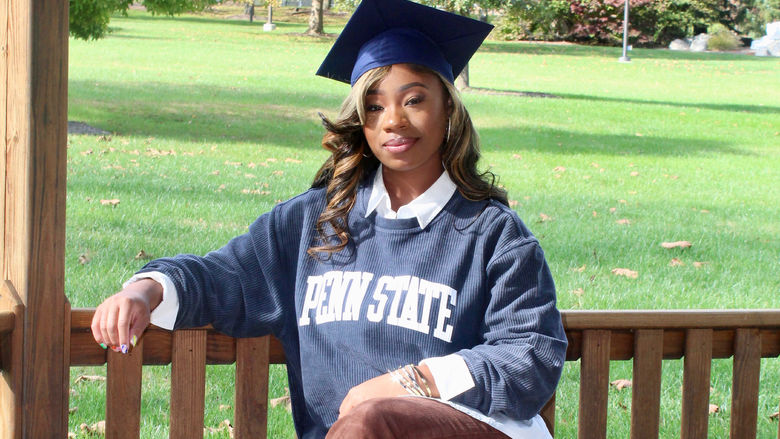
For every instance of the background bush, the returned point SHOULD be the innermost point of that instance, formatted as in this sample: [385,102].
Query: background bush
[651,22]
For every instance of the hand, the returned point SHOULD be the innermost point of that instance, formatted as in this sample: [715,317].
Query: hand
[123,317]
[382,386]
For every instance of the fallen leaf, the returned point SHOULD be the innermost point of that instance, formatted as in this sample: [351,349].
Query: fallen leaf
[625,272]
[98,428]
[215,172]
[559,169]
[613,209]
[634,173]
[223,407]
[698,264]
[624,221]
[586,177]
[577,292]
[223,426]
[250,176]
[283,400]
[292,160]
[638,134]
[111,202]
[622,201]
[72,410]
[84,259]
[704,211]
[251,165]
[278,173]
[89,378]
[72,435]
[675,262]
[517,156]
[544,218]
[774,416]
[594,164]
[142,255]
[714,409]
[229,163]
[87,152]
[513,203]
[271,160]
[676,244]
[579,269]
[595,214]
[621,384]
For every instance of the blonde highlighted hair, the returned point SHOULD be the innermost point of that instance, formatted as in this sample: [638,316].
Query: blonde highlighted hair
[351,160]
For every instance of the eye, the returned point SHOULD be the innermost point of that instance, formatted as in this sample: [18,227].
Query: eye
[373,107]
[414,100]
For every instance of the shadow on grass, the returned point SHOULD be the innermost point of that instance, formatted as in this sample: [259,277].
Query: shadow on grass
[761,109]
[547,140]
[289,119]
[528,48]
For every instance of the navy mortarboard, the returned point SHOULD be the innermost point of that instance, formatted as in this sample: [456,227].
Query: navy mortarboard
[385,32]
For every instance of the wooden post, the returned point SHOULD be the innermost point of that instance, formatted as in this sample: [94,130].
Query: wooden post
[33,85]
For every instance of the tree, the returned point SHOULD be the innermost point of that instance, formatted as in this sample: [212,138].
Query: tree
[315,19]
[89,18]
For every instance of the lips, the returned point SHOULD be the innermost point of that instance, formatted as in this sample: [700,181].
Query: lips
[399,144]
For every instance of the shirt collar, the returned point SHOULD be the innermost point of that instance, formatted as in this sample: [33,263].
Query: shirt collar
[425,207]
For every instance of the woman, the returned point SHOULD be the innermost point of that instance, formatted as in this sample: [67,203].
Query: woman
[401,272]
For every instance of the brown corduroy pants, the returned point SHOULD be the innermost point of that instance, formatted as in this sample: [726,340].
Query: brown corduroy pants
[409,418]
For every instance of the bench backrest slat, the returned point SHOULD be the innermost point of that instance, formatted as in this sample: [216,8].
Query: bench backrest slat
[646,383]
[594,383]
[188,384]
[251,405]
[696,383]
[744,392]
[123,394]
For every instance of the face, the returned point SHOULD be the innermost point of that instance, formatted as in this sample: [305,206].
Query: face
[406,120]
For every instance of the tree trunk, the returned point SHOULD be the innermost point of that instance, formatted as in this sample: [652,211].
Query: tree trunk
[315,19]
[462,81]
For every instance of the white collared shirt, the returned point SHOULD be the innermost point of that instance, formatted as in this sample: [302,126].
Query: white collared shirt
[425,207]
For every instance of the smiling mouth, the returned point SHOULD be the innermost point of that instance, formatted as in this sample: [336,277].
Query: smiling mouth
[399,144]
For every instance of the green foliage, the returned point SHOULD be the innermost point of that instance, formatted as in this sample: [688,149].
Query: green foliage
[535,20]
[758,15]
[655,22]
[722,38]
[89,18]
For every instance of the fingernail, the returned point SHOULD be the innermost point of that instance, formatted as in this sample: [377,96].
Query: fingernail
[115,349]
[124,348]
[134,340]
[103,345]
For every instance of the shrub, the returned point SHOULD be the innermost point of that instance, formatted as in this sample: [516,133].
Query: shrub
[721,38]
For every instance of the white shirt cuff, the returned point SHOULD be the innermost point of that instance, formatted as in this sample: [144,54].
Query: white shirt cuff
[451,375]
[164,316]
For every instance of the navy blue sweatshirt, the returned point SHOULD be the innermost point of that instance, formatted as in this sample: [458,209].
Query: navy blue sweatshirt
[473,282]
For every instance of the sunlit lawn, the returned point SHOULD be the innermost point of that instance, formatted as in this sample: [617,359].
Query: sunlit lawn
[213,121]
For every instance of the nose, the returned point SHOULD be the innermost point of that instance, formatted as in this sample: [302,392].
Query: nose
[395,118]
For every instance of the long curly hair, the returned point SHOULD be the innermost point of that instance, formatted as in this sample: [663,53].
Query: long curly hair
[351,160]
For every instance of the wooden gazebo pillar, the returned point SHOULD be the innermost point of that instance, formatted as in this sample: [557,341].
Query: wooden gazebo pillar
[33,87]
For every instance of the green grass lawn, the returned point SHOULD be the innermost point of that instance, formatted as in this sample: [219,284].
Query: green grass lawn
[214,121]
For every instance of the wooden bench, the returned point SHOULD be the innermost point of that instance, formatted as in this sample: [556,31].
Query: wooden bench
[595,338]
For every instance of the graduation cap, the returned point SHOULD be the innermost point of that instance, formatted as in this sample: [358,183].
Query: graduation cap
[385,32]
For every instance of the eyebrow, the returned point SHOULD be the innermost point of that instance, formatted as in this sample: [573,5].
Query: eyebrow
[402,88]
